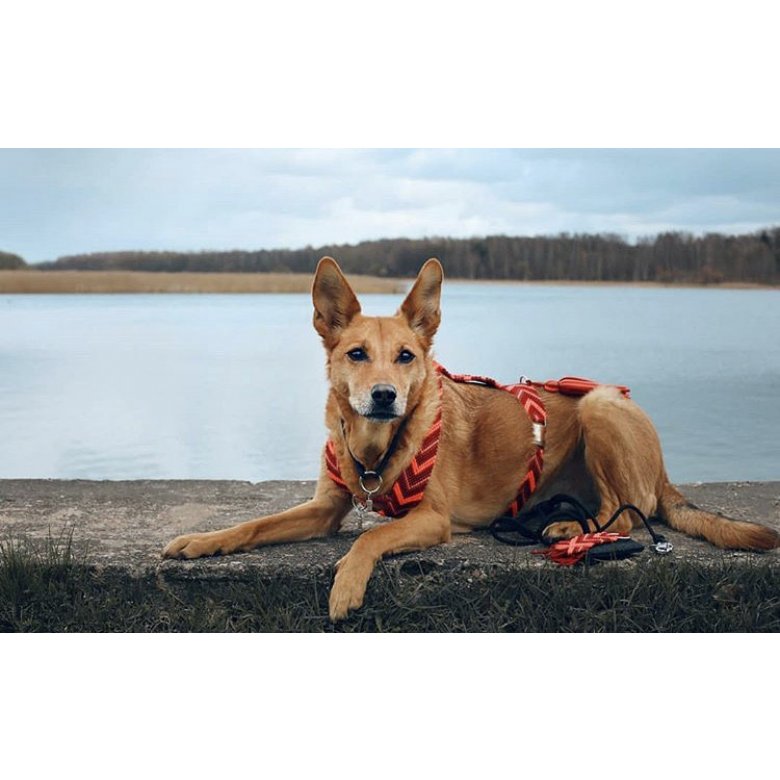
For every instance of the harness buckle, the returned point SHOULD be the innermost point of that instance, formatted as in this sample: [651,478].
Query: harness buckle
[538,429]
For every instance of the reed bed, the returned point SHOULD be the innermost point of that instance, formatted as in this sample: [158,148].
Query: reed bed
[31,281]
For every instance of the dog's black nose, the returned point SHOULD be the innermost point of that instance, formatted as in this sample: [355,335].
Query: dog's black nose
[383,395]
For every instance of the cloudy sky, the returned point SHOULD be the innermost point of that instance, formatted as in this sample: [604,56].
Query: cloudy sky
[58,202]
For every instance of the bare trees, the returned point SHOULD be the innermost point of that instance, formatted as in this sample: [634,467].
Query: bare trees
[667,257]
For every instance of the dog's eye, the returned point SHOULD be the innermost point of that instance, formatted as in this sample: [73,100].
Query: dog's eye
[357,355]
[405,356]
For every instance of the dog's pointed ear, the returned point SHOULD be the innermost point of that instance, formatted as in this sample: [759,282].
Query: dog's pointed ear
[421,307]
[335,304]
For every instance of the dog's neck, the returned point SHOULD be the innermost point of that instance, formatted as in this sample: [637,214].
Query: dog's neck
[368,440]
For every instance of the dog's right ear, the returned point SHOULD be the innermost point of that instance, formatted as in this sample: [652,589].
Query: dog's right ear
[335,304]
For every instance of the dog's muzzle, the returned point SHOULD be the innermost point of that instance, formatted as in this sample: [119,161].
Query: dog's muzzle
[381,404]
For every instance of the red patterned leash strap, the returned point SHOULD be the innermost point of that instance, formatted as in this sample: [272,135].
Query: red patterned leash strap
[570,551]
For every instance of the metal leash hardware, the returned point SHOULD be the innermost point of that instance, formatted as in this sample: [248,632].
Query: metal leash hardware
[663,547]
[361,507]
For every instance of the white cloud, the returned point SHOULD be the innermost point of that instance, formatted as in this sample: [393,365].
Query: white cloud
[55,202]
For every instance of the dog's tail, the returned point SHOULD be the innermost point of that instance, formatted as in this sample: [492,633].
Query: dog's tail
[725,532]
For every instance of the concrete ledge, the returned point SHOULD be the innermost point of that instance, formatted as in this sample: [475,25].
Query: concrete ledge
[124,526]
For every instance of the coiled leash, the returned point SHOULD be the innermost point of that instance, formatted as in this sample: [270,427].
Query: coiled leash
[528,527]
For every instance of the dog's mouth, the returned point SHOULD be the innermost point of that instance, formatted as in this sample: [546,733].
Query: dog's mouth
[378,416]
[378,412]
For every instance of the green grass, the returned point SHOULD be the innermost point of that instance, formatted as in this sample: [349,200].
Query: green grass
[47,588]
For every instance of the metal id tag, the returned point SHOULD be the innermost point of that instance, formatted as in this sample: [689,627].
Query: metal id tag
[361,509]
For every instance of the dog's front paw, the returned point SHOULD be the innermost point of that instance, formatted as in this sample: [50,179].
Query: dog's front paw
[349,586]
[192,546]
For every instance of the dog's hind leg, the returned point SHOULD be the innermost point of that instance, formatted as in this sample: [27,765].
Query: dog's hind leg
[623,456]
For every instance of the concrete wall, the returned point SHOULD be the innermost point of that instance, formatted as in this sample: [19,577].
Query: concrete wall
[126,525]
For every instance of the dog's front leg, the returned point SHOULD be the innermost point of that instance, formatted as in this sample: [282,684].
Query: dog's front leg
[421,528]
[319,517]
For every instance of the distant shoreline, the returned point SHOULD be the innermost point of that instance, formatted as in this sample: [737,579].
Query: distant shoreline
[587,283]
[122,282]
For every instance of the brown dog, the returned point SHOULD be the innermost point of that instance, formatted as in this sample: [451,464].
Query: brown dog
[385,394]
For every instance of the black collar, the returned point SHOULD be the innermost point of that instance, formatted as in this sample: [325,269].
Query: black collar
[377,471]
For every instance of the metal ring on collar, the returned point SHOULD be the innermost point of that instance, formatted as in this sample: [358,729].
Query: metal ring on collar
[378,487]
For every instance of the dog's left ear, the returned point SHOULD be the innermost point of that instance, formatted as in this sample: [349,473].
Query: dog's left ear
[421,307]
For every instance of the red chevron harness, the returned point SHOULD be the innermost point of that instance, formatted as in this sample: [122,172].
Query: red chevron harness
[408,490]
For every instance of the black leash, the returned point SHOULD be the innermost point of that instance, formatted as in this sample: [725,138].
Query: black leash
[660,543]
[527,528]
[530,523]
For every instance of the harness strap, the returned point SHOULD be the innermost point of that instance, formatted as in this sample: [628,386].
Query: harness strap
[575,385]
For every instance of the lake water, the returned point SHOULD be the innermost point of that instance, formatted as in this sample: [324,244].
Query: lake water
[233,387]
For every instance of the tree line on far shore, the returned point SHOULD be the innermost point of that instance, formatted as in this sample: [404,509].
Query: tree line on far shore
[11,262]
[668,257]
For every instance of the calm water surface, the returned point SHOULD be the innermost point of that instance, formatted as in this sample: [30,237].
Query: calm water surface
[233,387]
